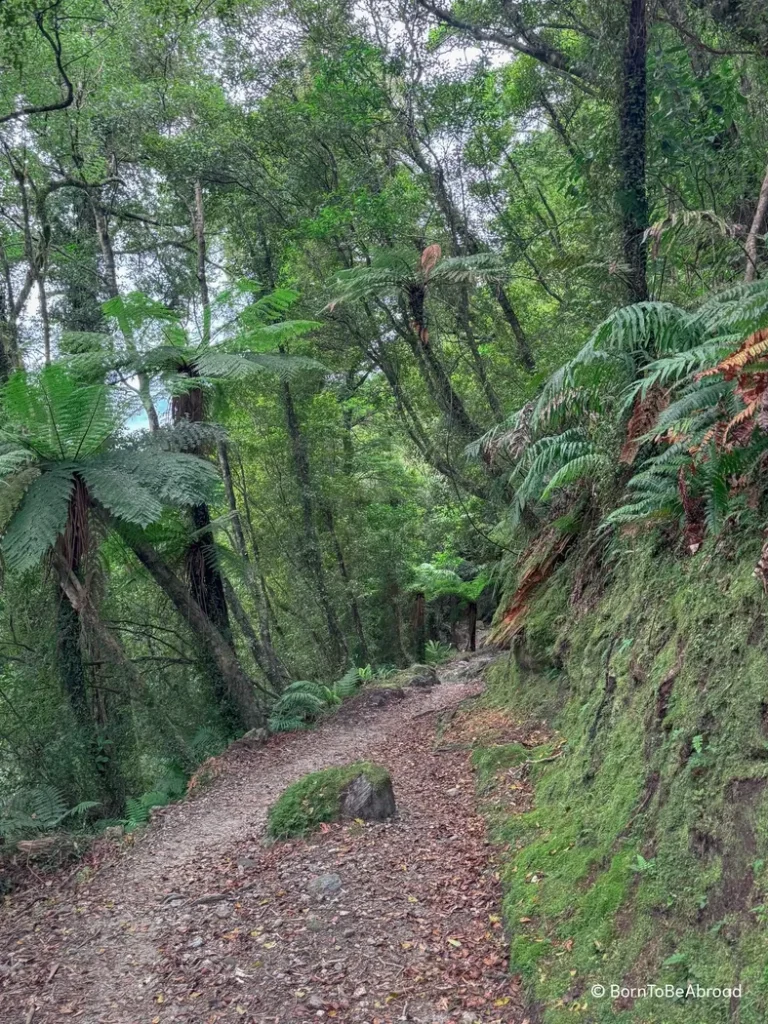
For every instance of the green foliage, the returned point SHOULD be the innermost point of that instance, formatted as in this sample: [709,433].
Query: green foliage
[437,652]
[316,799]
[35,811]
[139,810]
[301,703]
[64,431]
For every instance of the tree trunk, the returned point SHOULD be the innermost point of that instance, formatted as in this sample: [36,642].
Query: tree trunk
[465,241]
[472,622]
[113,291]
[235,692]
[270,663]
[310,548]
[465,319]
[198,226]
[354,608]
[632,151]
[205,580]
[420,627]
[754,231]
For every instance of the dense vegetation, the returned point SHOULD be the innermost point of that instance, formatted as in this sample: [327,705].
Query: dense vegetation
[327,328]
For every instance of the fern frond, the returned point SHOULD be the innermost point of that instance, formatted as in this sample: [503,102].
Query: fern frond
[40,518]
[580,468]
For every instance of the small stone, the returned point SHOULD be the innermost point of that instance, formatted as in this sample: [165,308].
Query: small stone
[223,911]
[424,677]
[348,933]
[196,943]
[325,885]
[360,992]
[246,862]
[315,1002]
[453,791]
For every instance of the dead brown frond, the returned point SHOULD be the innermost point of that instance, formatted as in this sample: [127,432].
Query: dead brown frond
[542,558]
[644,415]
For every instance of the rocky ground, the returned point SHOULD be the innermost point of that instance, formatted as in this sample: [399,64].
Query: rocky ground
[202,921]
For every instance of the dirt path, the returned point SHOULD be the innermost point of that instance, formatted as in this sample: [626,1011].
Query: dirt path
[201,922]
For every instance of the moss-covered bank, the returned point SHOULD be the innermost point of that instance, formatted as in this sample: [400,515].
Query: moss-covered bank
[645,858]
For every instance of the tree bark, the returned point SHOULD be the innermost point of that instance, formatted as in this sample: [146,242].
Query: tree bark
[420,628]
[198,226]
[472,622]
[113,291]
[754,231]
[465,319]
[354,608]
[235,692]
[632,150]
[311,551]
[270,663]
[464,239]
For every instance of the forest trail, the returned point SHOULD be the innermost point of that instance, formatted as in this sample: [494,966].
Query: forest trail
[202,922]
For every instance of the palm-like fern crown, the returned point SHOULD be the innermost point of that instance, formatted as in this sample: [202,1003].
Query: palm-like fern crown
[693,383]
[57,431]
[246,342]
[396,271]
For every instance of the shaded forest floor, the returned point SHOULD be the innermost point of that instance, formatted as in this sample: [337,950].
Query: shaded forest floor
[203,922]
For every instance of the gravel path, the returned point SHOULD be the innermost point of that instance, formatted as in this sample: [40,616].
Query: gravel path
[203,922]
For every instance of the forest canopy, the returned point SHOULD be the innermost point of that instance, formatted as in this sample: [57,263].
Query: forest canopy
[327,328]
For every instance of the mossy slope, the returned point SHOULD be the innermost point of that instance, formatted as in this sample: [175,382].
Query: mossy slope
[645,857]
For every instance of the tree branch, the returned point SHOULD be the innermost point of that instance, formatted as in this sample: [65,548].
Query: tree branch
[54,41]
[522,41]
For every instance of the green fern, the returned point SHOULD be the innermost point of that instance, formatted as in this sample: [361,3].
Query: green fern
[34,811]
[58,432]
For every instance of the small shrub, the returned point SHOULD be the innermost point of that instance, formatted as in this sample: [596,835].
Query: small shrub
[316,798]
[303,702]
[34,811]
[437,652]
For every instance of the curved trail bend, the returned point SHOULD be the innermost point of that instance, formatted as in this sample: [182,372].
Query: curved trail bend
[201,922]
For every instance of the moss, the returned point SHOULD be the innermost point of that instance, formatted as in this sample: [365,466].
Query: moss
[316,798]
[488,761]
[645,855]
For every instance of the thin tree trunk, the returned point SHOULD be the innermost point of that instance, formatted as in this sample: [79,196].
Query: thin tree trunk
[258,653]
[465,241]
[523,345]
[46,320]
[311,552]
[420,628]
[472,622]
[465,318]
[354,608]
[754,231]
[632,151]
[198,225]
[236,692]
[271,664]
